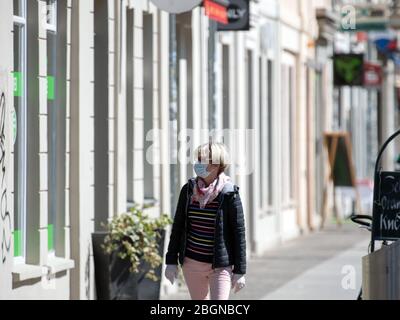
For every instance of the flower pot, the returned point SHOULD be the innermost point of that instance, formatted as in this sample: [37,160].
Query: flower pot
[113,279]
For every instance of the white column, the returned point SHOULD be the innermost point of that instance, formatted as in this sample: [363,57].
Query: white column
[81,210]
[387,114]
[120,196]
[197,75]
[164,111]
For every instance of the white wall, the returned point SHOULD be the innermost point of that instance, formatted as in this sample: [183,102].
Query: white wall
[6,88]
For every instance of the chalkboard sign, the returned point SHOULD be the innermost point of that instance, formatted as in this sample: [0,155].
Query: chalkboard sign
[341,173]
[386,217]
[340,159]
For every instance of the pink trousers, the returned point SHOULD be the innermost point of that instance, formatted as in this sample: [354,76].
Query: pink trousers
[200,277]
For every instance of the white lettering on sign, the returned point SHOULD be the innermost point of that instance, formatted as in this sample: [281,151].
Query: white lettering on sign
[388,224]
[390,204]
[236,13]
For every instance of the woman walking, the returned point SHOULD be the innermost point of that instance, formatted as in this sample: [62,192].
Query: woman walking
[208,232]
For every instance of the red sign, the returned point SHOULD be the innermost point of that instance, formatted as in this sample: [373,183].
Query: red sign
[362,36]
[372,74]
[216,11]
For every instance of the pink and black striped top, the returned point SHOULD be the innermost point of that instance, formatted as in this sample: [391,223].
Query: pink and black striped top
[201,227]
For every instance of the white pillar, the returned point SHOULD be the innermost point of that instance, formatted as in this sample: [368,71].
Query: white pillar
[120,192]
[81,210]
[388,124]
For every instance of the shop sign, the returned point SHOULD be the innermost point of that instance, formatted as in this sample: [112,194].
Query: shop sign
[372,75]
[216,11]
[348,69]
[238,12]
[386,217]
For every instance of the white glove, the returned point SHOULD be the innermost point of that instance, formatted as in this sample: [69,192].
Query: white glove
[238,282]
[171,272]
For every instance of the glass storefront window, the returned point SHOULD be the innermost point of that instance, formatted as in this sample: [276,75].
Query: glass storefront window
[20,146]
[52,106]
[56,124]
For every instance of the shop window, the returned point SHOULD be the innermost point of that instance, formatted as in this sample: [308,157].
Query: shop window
[270,131]
[266,131]
[148,87]
[20,145]
[287,131]
[56,126]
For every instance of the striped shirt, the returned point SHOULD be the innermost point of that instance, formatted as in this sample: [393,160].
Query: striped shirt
[201,226]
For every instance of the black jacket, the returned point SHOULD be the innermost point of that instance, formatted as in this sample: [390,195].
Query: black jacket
[229,241]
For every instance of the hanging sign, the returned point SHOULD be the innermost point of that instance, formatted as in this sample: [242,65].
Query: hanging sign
[238,12]
[176,6]
[216,11]
[372,75]
[348,69]
[386,45]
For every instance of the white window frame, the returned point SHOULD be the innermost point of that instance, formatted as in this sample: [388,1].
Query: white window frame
[268,143]
[51,15]
[263,133]
[288,112]
[51,12]
[20,21]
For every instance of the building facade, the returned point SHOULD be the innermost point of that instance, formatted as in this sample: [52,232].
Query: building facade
[98,97]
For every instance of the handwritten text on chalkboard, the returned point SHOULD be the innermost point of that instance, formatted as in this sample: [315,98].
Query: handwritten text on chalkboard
[386,220]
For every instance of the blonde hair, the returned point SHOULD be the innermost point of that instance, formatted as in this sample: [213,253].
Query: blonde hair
[213,153]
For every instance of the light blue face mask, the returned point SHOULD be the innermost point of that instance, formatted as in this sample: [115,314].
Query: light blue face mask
[201,169]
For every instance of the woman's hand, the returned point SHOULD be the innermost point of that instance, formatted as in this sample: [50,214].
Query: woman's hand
[238,282]
[171,272]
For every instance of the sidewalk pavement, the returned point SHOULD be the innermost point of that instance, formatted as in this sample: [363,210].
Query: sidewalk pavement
[322,265]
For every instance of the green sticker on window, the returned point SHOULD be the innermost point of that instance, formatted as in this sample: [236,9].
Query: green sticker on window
[50,237]
[50,88]
[17,84]
[17,243]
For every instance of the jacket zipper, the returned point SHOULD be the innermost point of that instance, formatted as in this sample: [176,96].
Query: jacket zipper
[186,209]
[215,228]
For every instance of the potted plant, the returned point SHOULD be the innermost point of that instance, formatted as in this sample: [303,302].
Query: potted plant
[129,256]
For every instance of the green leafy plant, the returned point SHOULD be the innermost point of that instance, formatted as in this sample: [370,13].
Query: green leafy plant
[134,236]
